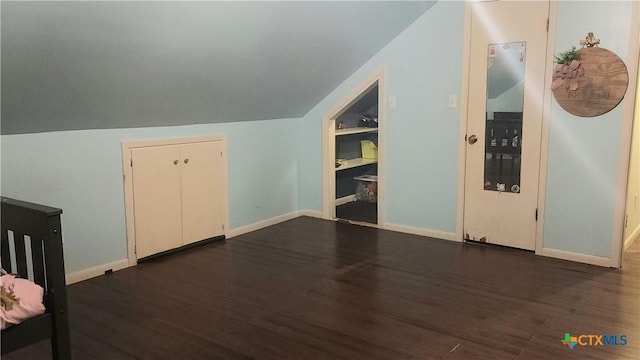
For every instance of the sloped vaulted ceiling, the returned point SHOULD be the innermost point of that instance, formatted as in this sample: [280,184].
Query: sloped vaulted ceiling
[88,65]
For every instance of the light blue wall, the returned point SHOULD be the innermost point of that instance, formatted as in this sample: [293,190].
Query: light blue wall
[81,172]
[424,66]
[583,152]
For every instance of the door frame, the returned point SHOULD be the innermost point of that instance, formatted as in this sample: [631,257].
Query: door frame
[127,179]
[635,125]
[626,133]
[464,112]
[328,144]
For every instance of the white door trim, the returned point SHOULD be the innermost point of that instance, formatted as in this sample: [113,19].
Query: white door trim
[127,179]
[626,132]
[464,109]
[546,116]
[328,143]
[464,112]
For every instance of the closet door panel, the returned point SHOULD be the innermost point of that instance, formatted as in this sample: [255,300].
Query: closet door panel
[202,191]
[157,199]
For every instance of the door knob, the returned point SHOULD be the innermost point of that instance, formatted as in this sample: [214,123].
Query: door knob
[186,161]
[473,139]
[175,162]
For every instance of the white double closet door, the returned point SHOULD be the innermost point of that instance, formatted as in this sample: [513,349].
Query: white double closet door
[178,193]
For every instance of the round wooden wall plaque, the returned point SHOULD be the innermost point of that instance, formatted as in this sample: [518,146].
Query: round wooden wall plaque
[596,88]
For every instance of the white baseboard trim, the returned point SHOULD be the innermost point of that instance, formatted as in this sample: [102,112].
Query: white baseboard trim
[262,224]
[345,200]
[311,213]
[635,235]
[99,270]
[96,271]
[421,231]
[577,257]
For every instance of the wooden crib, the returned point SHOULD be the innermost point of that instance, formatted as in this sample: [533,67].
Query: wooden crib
[32,248]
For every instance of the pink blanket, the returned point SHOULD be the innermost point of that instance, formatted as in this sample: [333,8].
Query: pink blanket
[21,299]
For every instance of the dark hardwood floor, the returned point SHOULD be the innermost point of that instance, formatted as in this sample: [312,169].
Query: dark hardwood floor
[315,289]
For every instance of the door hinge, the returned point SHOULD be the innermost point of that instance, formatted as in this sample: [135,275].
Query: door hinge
[536,214]
[626,220]
[222,227]
[131,162]
[547,24]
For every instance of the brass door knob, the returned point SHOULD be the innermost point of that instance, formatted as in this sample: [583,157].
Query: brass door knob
[473,139]
[175,162]
[186,161]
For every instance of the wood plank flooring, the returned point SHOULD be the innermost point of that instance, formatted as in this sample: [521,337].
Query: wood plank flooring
[315,289]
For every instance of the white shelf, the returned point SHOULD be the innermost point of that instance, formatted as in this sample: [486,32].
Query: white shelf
[345,200]
[351,163]
[356,130]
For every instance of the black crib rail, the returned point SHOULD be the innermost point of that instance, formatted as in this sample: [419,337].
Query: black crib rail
[31,246]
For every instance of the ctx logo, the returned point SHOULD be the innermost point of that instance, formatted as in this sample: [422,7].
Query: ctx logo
[594,340]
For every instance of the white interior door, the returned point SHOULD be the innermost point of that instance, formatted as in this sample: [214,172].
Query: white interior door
[157,199]
[504,124]
[202,191]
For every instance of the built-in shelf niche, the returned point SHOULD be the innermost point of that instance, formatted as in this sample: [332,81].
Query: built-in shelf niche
[349,161]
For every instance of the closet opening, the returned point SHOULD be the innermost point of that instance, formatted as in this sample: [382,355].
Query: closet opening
[352,177]
[356,165]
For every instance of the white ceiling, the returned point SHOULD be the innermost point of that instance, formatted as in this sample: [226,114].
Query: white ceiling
[85,65]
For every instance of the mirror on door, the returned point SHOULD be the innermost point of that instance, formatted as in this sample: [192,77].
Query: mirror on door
[503,131]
